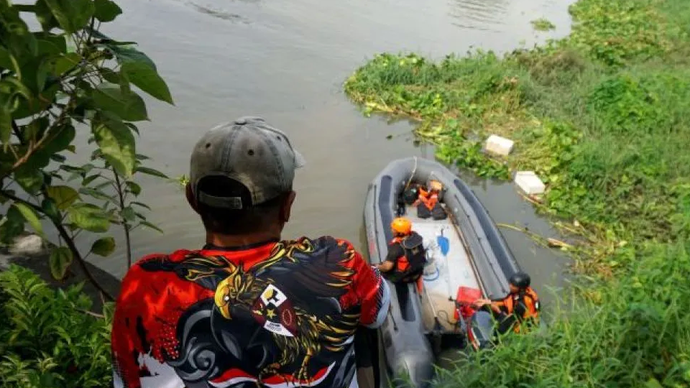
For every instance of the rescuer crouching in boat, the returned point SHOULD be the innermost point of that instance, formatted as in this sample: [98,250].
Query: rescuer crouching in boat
[520,305]
[428,201]
[406,254]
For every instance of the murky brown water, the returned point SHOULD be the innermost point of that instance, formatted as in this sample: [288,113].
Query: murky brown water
[286,61]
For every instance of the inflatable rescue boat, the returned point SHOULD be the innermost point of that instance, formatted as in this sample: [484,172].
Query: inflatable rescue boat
[467,259]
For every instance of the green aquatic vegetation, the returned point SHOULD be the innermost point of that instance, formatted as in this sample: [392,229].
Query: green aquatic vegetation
[608,138]
[543,24]
[452,100]
[616,32]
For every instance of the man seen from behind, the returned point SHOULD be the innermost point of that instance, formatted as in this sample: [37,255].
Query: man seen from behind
[249,308]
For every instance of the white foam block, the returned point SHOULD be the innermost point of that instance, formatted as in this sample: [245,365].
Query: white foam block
[529,182]
[499,145]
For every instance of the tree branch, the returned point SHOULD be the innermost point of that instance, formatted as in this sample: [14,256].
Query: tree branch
[91,313]
[65,236]
[125,224]
[27,203]
[70,244]
[15,129]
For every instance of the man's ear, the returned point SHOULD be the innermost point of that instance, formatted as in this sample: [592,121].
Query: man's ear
[287,206]
[190,197]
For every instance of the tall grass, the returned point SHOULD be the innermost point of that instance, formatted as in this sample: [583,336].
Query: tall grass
[603,116]
[633,333]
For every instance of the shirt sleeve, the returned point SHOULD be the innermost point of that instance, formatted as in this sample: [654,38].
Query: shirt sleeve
[394,252]
[372,292]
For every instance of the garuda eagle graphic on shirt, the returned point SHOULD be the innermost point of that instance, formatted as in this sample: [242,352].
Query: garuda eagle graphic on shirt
[280,315]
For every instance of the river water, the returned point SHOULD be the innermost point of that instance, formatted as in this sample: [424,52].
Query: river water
[286,61]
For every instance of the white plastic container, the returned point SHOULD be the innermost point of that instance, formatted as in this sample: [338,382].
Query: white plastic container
[529,182]
[499,145]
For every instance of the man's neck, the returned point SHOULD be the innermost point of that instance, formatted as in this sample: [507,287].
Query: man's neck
[231,241]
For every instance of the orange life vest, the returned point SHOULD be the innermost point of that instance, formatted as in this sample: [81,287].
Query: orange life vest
[401,264]
[429,198]
[413,258]
[529,298]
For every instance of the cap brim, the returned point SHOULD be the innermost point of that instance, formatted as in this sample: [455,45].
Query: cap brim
[299,160]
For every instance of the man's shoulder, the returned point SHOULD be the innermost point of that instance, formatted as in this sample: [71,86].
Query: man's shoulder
[145,262]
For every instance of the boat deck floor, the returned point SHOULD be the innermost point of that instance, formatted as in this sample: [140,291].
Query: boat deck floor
[445,273]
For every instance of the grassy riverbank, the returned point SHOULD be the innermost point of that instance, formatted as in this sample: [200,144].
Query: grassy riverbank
[603,116]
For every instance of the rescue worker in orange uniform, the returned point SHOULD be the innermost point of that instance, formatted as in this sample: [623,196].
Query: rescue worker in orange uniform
[427,202]
[520,305]
[406,253]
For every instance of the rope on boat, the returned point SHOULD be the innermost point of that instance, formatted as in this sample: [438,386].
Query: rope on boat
[414,170]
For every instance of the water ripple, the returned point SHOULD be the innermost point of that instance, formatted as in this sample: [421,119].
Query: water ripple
[224,15]
[479,14]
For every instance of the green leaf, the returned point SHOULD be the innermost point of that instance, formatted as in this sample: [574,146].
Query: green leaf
[95,193]
[36,105]
[42,71]
[7,61]
[13,87]
[89,217]
[106,10]
[129,214]
[89,179]
[30,216]
[51,44]
[150,225]
[73,15]
[133,188]
[117,144]
[147,79]
[21,43]
[58,158]
[12,226]
[50,208]
[68,168]
[129,106]
[110,75]
[126,54]
[5,123]
[45,16]
[653,383]
[103,246]
[60,260]
[145,206]
[150,171]
[30,179]
[60,139]
[64,196]
[65,63]
[35,129]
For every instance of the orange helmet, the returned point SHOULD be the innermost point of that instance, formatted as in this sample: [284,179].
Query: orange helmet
[401,225]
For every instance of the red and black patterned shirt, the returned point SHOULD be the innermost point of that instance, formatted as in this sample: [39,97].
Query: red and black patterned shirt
[281,314]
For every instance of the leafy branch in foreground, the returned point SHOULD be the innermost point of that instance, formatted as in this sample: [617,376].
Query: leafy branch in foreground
[64,78]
